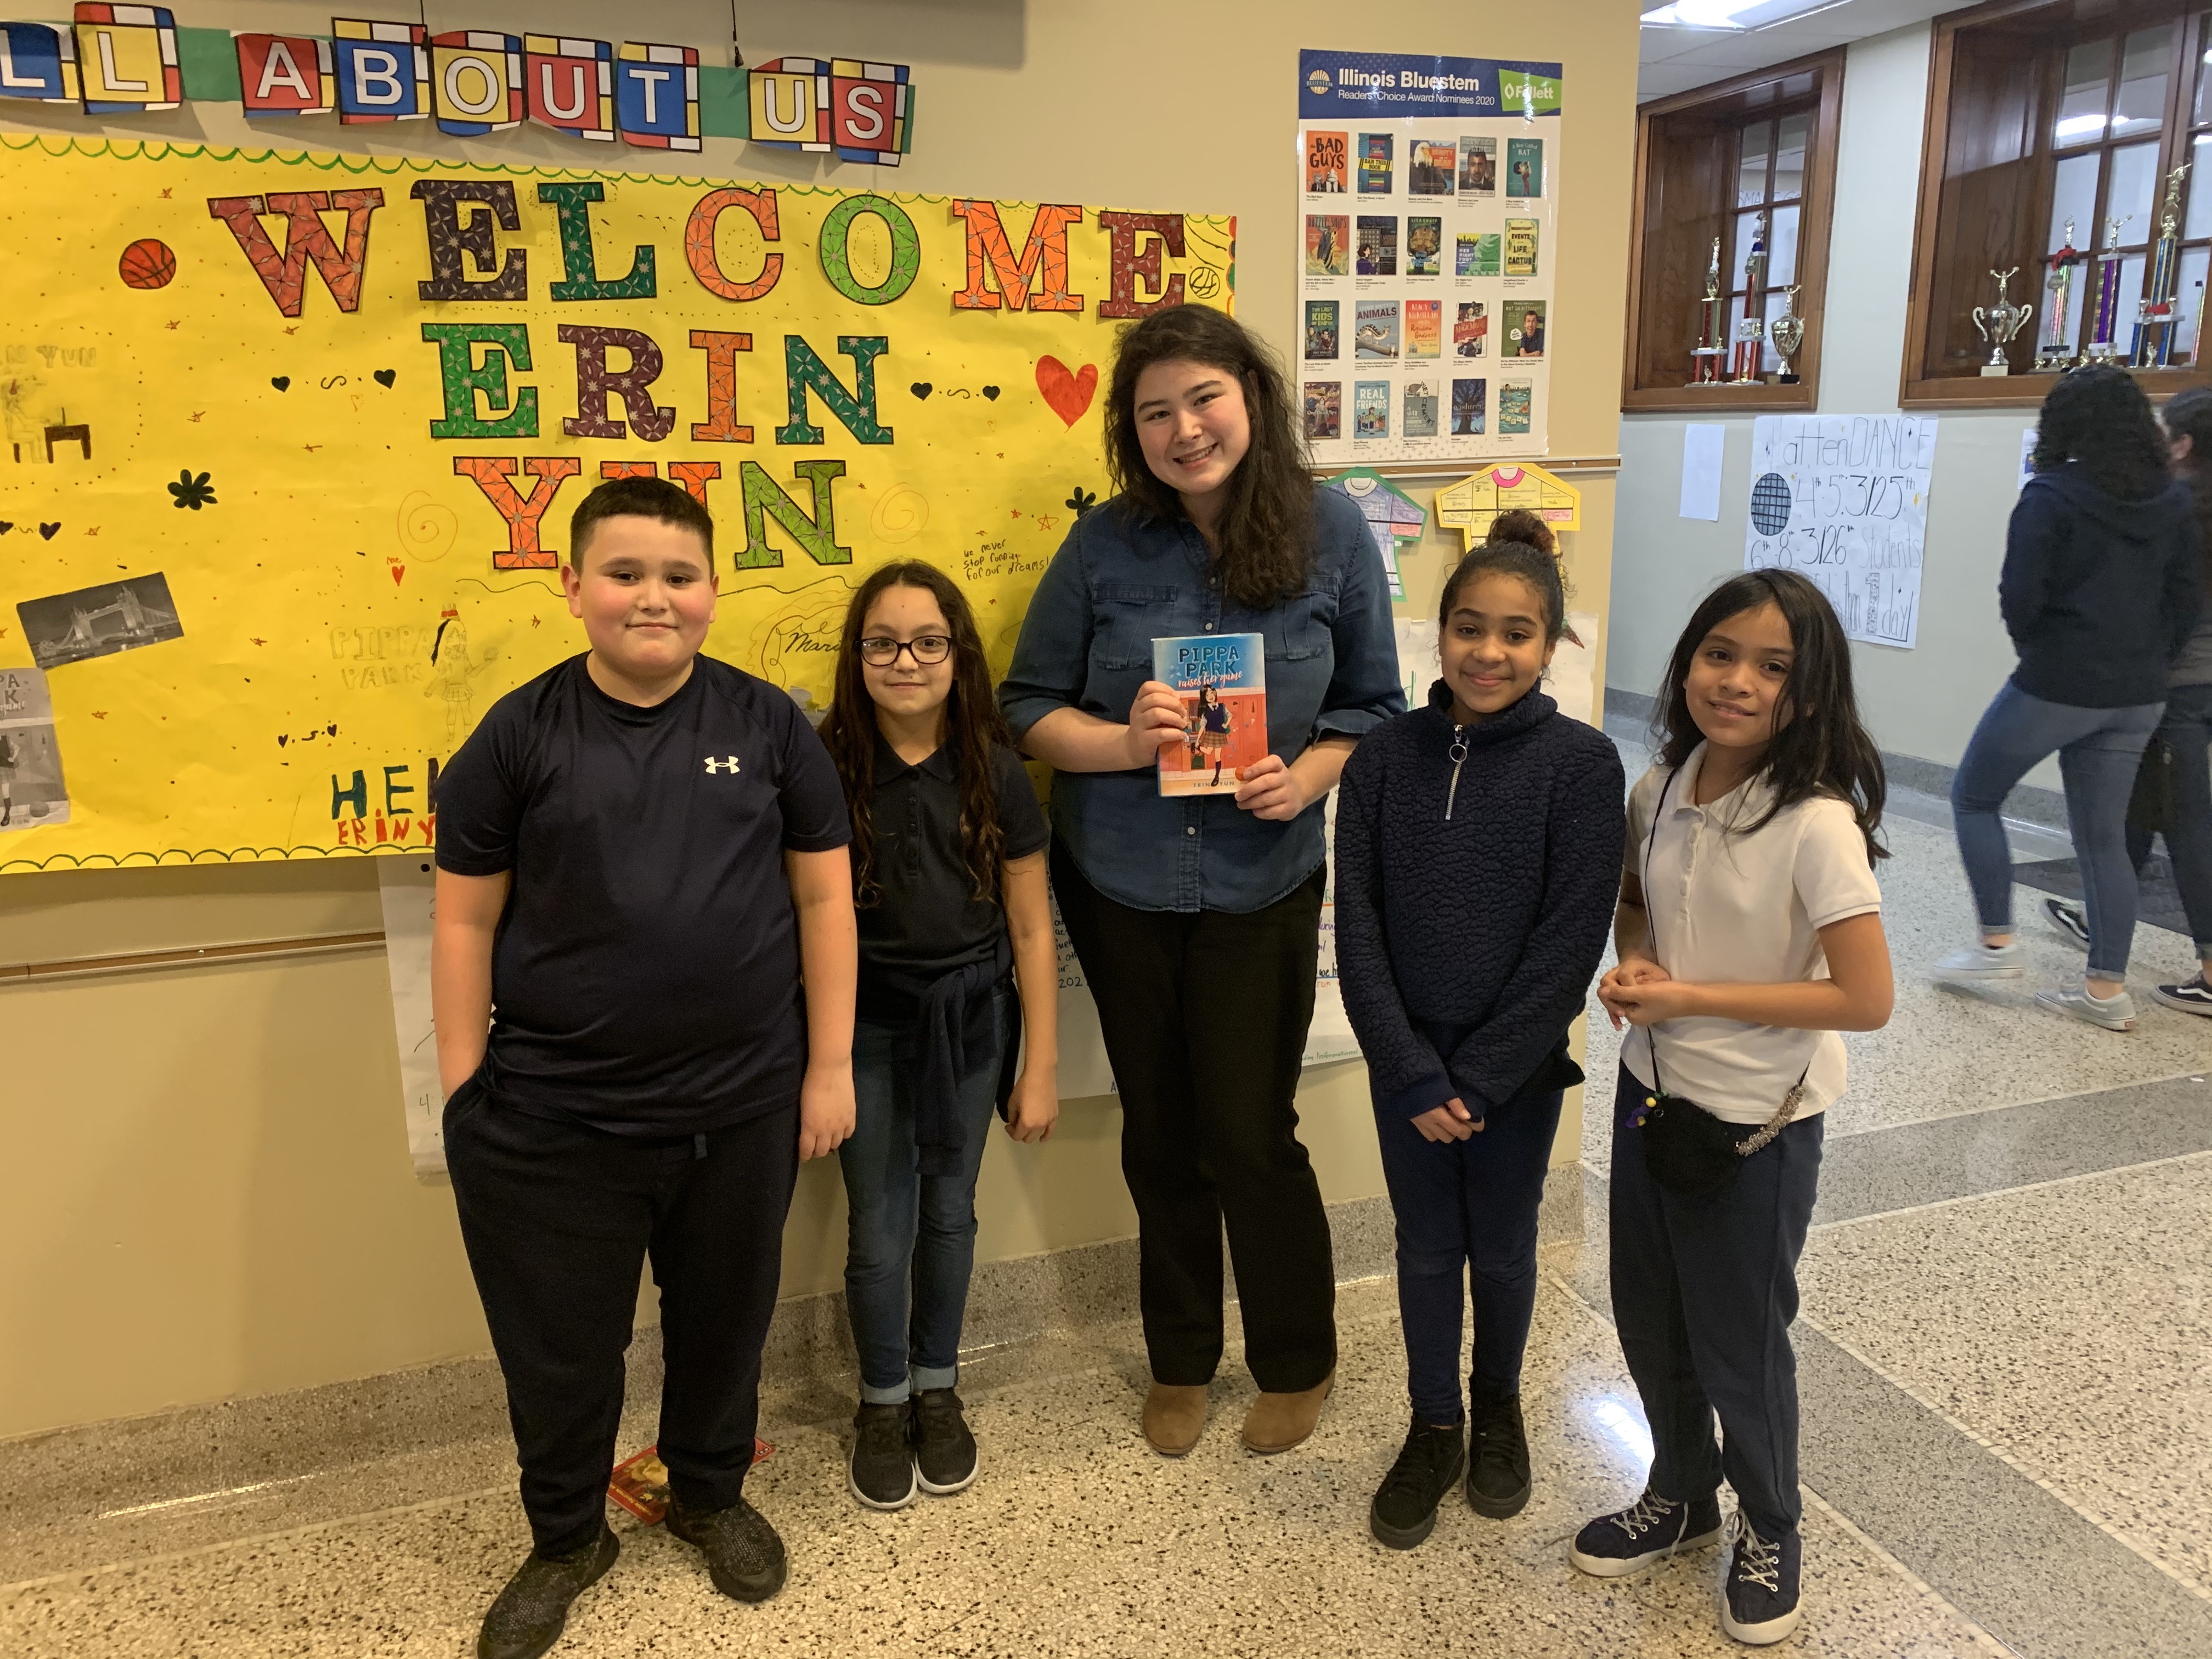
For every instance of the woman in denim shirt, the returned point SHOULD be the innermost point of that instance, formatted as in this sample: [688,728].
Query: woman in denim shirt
[1197,917]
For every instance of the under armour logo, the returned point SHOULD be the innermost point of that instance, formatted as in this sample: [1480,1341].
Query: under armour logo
[728,764]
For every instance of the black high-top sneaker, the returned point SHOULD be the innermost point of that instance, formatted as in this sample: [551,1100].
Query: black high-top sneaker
[1759,1603]
[1404,1511]
[1498,1456]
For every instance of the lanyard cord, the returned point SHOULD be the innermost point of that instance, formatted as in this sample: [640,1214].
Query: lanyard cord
[1652,917]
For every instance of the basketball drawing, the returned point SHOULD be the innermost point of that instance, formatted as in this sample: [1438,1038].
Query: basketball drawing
[148,264]
[1770,504]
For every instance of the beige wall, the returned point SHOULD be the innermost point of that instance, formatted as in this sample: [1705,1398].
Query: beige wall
[208,1187]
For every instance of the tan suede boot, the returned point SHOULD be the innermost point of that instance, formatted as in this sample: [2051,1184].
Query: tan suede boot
[1174,1416]
[1278,1422]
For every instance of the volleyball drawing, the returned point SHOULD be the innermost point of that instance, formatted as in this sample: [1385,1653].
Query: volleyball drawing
[1770,504]
[147,263]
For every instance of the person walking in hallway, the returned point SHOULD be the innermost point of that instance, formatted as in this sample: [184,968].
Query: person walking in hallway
[2102,585]
[1197,917]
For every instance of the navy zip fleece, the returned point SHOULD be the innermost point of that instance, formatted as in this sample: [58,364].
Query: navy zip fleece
[2100,595]
[1473,898]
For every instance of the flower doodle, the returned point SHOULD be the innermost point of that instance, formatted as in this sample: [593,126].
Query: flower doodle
[1081,502]
[195,493]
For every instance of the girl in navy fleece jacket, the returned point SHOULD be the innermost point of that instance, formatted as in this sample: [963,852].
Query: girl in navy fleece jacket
[1478,855]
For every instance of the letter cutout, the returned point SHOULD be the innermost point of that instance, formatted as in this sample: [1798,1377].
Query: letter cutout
[721,425]
[522,513]
[764,500]
[856,410]
[450,239]
[596,383]
[1122,230]
[306,238]
[699,241]
[990,251]
[580,263]
[462,378]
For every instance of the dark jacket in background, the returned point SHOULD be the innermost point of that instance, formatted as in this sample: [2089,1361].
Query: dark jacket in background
[2099,594]
[1482,929]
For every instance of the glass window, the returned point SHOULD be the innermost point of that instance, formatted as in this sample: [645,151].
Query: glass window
[2197,220]
[2074,201]
[1748,228]
[2132,193]
[2189,297]
[1782,247]
[1789,157]
[2081,105]
[2201,114]
[2140,106]
[1751,170]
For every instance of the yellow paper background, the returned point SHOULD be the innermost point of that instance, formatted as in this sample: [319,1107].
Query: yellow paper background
[311,589]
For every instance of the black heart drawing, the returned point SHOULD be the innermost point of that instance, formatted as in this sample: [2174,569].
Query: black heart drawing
[992,392]
[281,739]
[921,388]
[282,382]
[384,377]
[48,531]
[332,730]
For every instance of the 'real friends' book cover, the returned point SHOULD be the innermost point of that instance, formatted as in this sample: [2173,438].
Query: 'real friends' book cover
[1221,679]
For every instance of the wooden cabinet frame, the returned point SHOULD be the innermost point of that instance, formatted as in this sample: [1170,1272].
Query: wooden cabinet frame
[1674,159]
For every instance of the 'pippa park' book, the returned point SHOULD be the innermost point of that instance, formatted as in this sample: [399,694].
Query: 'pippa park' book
[1223,681]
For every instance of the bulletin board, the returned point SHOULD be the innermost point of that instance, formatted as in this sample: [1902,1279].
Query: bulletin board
[292,439]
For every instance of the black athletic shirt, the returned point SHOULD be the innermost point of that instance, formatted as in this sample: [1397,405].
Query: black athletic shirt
[645,978]
[929,921]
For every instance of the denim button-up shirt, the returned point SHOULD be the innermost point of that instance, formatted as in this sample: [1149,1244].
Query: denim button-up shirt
[1118,583]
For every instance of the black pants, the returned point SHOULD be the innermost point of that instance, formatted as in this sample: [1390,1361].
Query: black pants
[558,1220]
[1704,1292]
[1204,1018]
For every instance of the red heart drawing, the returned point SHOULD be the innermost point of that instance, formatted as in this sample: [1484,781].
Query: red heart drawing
[399,574]
[1068,395]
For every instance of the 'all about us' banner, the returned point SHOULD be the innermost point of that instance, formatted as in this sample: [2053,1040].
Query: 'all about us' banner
[291,442]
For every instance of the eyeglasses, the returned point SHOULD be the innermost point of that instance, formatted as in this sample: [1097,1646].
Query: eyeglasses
[928,651]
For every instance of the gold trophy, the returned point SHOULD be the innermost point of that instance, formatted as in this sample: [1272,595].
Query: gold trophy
[1999,322]
[1788,333]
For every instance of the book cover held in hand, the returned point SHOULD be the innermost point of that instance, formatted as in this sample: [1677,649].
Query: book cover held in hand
[1223,681]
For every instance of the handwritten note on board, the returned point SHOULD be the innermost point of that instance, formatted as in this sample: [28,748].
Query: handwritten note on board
[1843,498]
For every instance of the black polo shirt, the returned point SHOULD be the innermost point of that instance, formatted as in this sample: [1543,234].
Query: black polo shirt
[929,921]
[645,978]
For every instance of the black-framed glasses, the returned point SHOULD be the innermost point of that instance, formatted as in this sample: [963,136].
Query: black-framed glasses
[928,650]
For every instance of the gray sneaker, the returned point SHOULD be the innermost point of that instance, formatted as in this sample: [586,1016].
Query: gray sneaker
[1979,964]
[2116,1013]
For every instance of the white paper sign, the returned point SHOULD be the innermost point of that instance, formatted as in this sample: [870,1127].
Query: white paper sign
[1703,444]
[1843,498]
[406,888]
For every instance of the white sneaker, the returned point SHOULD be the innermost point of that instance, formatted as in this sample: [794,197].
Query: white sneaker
[2114,1013]
[1978,964]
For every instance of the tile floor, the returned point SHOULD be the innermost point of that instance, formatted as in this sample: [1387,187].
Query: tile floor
[2005,1362]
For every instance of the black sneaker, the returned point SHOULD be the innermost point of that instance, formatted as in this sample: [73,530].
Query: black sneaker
[881,1473]
[2068,918]
[744,1558]
[532,1612]
[944,1450]
[2193,997]
[1404,1511]
[1498,1456]
[1759,1603]
[1650,1529]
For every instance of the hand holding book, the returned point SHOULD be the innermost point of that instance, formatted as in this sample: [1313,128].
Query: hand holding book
[1156,718]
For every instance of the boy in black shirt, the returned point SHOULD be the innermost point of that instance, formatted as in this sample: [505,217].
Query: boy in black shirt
[641,852]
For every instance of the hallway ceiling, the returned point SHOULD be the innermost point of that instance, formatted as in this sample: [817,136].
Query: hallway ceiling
[1674,60]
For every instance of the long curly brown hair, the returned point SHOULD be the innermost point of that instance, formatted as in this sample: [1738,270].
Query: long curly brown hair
[1266,532]
[972,724]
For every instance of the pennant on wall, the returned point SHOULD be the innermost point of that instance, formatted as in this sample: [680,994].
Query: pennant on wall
[570,85]
[868,110]
[790,99]
[383,70]
[657,95]
[286,74]
[38,61]
[475,81]
[127,59]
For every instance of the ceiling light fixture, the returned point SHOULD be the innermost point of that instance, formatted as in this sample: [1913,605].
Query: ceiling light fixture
[1736,16]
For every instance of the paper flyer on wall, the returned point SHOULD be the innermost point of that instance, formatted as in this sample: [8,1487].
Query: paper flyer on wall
[406,889]
[1429,192]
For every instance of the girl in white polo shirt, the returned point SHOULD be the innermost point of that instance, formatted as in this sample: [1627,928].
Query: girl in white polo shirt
[1749,931]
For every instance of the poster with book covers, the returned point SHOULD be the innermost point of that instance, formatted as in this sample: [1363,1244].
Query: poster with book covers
[1440,274]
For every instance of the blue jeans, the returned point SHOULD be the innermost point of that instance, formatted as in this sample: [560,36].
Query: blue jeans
[1468,1207]
[2187,728]
[911,1237]
[2099,750]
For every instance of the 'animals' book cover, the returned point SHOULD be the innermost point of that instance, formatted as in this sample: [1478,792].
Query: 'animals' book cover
[1223,681]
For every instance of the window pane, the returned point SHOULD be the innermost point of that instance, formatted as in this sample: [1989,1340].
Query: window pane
[2203,113]
[1748,227]
[2141,107]
[2197,189]
[2081,106]
[1782,248]
[2133,190]
[1751,170]
[2073,201]
[2189,297]
[1790,156]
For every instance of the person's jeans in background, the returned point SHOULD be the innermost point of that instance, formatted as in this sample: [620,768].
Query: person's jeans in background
[2099,750]
[911,1241]
[2187,728]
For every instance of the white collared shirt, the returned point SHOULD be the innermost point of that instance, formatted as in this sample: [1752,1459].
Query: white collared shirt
[1725,907]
